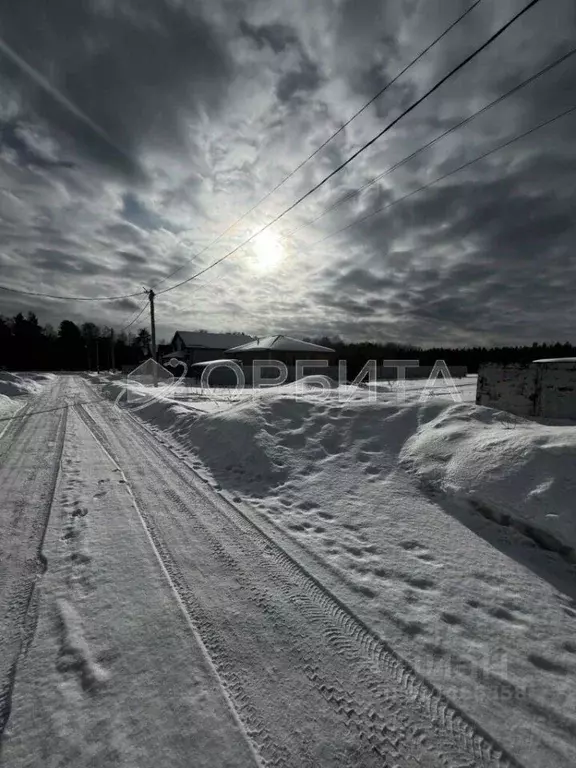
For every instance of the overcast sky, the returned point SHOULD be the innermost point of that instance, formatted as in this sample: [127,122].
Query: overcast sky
[132,133]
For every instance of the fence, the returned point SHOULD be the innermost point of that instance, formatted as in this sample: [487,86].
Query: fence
[543,388]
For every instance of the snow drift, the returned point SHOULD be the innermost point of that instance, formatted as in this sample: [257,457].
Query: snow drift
[513,466]
[16,384]
[376,496]
[13,389]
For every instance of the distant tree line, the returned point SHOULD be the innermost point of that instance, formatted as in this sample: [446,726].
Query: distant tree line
[25,345]
[356,354]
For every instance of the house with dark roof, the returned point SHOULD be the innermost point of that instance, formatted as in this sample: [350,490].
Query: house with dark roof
[198,346]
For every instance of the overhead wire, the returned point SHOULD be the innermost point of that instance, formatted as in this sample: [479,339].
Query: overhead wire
[363,148]
[457,126]
[318,149]
[444,176]
[65,102]
[394,122]
[68,298]
[135,318]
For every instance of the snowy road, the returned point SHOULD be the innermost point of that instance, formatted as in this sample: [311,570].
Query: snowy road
[167,628]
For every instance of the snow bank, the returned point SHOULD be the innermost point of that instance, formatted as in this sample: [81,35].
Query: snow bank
[511,466]
[343,478]
[12,388]
[16,384]
[254,444]
[8,407]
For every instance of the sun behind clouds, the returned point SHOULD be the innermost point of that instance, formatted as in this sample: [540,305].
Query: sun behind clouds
[268,251]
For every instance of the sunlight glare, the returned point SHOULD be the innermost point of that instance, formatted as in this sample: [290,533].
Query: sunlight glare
[268,250]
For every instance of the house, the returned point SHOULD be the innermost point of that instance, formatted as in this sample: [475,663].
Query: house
[286,350]
[283,348]
[162,350]
[198,346]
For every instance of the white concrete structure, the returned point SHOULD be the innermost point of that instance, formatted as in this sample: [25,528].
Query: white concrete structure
[544,388]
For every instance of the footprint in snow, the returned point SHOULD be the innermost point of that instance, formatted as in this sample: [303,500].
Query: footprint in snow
[450,618]
[307,505]
[355,551]
[420,582]
[411,545]
[504,614]
[546,664]
[419,551]
[412,628]
[362,589]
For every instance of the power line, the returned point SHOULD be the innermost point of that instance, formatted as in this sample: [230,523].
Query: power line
[145,305]
[368,144]
[304,162]
[136,317]
[456,127]
[69,298]
[444,176]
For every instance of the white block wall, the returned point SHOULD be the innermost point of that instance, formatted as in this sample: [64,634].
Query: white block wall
[556,390]
[545,390]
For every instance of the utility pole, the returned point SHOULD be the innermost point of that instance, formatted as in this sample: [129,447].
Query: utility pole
[112,354]
[97,357]
[151,296]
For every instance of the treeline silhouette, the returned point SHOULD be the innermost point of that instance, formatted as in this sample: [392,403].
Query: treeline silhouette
[25,345]
[356,354]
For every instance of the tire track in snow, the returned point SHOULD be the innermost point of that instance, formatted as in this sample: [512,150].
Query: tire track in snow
[274,753]
[348,633]
[437,707]
[169,569]
[23,600]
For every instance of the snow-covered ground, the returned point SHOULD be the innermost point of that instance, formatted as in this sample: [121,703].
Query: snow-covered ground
[293,577]
[14,387]
[391,498]
[506,465]
[16,384]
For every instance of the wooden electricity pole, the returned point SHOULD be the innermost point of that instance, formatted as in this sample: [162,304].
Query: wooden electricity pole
[151,296]
[112,351]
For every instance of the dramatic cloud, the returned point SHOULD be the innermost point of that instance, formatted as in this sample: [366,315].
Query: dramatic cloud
[134,133]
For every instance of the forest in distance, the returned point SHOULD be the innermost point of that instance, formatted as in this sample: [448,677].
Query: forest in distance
[26,345]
